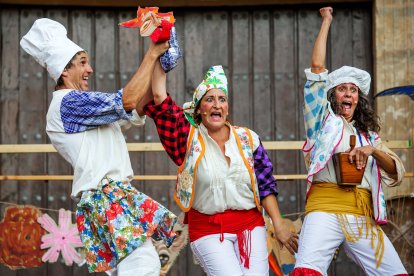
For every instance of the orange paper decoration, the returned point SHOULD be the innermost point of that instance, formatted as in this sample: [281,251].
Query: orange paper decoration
[144,14]
[20,236]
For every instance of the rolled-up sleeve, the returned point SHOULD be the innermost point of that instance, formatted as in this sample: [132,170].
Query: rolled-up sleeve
[172,127]
[315,104]
[263,168]
[82,110]
[386,178]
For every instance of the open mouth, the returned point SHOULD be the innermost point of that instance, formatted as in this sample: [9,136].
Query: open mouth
[346,105]
[215,115]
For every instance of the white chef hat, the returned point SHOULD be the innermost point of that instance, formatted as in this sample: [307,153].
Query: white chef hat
[348,74]
[48,44]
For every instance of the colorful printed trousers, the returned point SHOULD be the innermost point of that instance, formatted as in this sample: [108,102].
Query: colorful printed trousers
[116,219]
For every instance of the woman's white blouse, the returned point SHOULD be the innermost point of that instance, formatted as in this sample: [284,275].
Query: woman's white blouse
[219,186]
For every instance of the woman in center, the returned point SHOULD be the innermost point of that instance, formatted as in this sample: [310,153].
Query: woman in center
[224,178]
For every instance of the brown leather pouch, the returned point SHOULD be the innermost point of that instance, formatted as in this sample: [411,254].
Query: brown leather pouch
[346,172]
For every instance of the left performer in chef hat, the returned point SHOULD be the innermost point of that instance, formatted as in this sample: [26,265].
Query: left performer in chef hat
[116,222]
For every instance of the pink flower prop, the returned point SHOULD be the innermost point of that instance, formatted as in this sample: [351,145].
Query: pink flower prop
[63,238]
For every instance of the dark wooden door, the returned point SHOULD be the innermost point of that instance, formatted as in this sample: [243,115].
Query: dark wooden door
[264,51]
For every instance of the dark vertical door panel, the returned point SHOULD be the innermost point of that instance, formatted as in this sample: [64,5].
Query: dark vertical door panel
[31,123]
[262,96]
[215,40]
[193,52]
[9,107]
[240,92]
[32,110]
[340,40]
[361,42]
[105,40]
[285,105]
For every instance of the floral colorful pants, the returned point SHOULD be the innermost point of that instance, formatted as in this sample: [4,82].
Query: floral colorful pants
[116,219]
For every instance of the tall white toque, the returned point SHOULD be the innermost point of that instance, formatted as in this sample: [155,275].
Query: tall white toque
[48,44]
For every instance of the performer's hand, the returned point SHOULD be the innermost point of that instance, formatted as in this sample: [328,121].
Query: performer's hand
[157,49]
[360,156]
[326,13]
[286,238]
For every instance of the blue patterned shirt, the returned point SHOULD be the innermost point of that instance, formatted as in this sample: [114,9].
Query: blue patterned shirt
[81,111]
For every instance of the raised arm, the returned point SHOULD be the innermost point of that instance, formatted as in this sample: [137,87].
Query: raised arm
[172,126]
[157,91]
[139,84]
[319,49]
[159,80]
[144,100]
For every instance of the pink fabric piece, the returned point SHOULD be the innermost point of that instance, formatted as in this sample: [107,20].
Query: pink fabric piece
[61,238]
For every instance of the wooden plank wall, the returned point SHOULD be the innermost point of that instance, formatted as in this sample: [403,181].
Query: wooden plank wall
[394,66]
[263,50]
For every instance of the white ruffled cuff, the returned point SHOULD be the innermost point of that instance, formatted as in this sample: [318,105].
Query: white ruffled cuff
[316,77]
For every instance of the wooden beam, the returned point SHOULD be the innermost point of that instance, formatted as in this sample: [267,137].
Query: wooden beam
[279,177]
[132,147]
[136,177]
[170,4]
[283,145]
[27,148]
